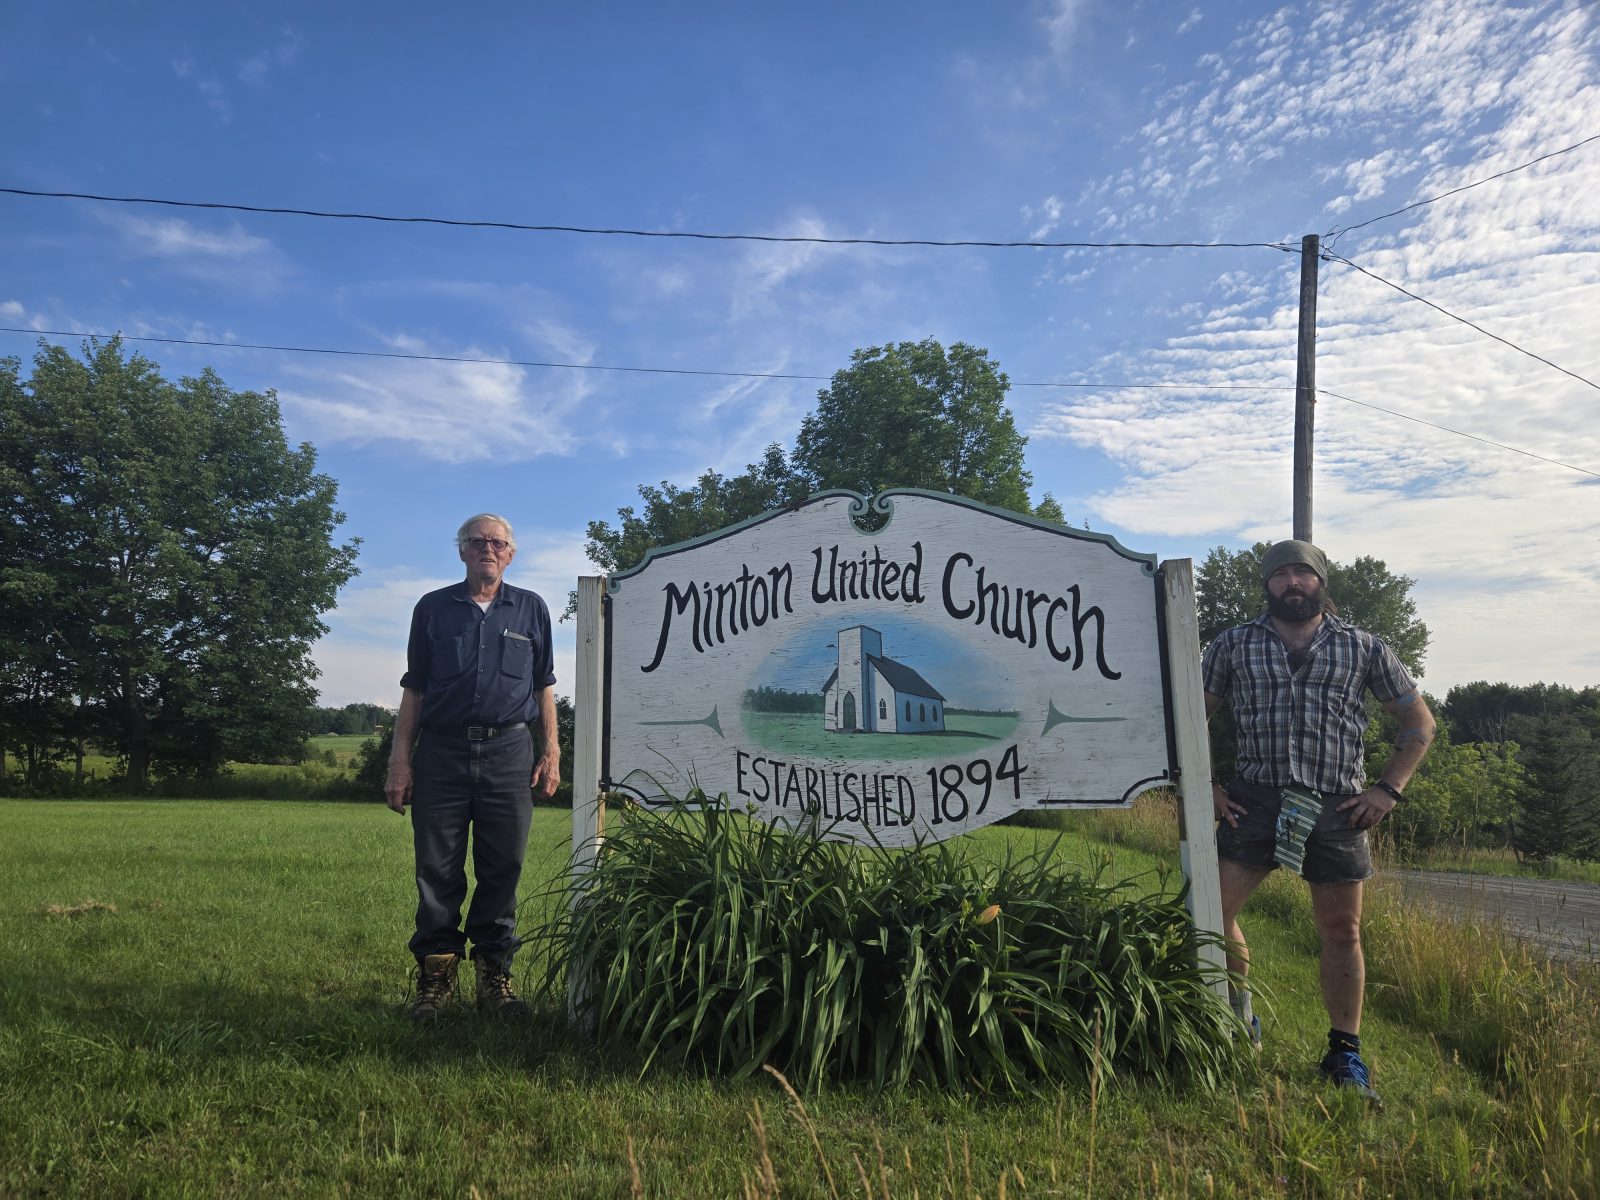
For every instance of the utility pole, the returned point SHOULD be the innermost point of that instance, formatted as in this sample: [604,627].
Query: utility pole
[1305,387]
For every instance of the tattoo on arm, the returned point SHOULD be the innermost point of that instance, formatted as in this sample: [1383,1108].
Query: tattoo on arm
[1411,736]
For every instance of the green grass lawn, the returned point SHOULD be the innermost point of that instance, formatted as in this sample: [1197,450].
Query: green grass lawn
[204,998]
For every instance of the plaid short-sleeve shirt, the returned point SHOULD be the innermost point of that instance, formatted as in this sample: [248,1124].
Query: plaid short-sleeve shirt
[1303,726]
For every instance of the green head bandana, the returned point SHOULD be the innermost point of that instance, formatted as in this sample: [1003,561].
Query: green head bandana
[1288,553]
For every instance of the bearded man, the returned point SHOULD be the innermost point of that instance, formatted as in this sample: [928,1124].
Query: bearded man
[1296,678]
[478,674]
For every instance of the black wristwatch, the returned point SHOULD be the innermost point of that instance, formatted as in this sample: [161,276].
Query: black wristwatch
[1399,796]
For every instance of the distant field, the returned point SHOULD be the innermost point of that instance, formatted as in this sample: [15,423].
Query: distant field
[345,745]
[802,733]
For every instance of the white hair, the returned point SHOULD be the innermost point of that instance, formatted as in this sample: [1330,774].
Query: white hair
[466,528]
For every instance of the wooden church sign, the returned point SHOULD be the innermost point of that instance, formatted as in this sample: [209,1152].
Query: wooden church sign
[915,681]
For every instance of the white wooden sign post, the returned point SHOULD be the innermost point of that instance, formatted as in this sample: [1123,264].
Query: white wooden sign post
[909,683]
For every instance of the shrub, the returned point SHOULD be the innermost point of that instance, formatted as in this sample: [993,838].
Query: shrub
[707,939]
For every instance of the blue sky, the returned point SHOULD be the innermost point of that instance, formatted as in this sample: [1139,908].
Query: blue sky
[1069,120]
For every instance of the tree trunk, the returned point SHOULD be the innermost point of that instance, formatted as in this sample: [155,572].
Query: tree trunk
[135,734]
[138,749]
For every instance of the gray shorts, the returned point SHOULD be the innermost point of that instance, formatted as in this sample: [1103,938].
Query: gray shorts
[1335,853]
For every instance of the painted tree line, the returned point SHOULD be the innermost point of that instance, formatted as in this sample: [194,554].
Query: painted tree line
[166,555]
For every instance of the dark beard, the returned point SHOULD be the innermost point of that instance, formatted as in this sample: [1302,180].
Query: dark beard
[1296,607]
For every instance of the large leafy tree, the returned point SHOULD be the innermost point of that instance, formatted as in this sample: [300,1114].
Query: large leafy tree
[908,415]
[672,514]
[167,556]
[917,415]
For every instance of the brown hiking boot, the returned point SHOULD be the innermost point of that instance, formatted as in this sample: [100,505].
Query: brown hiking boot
[436,986]
[495,997]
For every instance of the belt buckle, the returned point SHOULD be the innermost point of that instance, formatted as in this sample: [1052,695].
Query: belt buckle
[481,733]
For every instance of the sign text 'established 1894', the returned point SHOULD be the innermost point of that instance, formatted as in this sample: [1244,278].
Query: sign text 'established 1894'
[957,664]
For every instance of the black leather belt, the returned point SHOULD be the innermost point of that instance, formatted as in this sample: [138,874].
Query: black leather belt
[475,733]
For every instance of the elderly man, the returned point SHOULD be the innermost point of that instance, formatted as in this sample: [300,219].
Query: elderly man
[478,672]
[1296,676]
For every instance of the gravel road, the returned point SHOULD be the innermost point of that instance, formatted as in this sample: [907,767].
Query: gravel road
[1562,917]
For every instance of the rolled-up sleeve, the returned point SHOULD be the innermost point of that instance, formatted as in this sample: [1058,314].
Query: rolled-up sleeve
[1387,677]
[544,667]
[419,652]
[1216,671]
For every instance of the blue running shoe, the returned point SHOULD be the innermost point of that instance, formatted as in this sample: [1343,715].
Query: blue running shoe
[1255,1033]
[1346,1070]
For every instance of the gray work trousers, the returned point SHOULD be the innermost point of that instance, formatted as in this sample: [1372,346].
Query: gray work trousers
[482,787]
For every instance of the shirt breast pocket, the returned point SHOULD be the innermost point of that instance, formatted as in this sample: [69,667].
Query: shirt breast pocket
[445,662]
[516,654]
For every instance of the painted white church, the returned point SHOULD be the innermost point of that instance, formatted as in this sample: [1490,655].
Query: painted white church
[868,693]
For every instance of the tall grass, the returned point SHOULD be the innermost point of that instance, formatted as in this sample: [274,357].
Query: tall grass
[1527,1023]
[1149,825]
[707,939]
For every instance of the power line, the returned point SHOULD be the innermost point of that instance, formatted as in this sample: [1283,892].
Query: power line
[1106,385]
[1459,433]
[569,366]
[1470,325]
[649,233]
[1339,231]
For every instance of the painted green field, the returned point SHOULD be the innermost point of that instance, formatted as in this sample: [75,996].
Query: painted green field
[802,733]
[203,999]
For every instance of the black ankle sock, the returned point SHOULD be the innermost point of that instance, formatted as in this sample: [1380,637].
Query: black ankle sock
[1338,1039]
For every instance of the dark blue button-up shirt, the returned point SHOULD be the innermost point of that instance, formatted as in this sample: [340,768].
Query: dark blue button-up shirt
[475,667]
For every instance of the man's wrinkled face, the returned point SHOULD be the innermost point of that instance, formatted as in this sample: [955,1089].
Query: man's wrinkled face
[1295,593]
[487,550]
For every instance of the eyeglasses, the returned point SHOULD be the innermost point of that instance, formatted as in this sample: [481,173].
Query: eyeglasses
[483,543]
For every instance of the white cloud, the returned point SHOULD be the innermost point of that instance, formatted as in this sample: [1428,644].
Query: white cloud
[765,268]
[1048,216]
[449,412]
[1493,538]
[565,343]
[214,253]
[173,237]
[1061,24]
[255,70]
[12,310]
[216,99]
